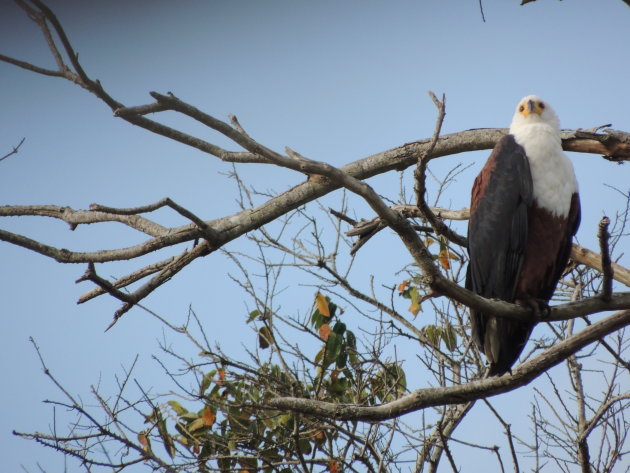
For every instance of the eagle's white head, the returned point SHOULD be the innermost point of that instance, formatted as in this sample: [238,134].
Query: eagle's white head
[536,128]
[532,110]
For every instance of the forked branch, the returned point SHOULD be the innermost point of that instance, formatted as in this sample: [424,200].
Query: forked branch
[615,145]
[459,394]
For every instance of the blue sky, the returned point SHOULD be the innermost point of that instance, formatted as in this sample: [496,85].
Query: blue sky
[335,81]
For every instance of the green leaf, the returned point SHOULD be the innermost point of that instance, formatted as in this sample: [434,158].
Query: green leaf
[317,319]
[177,407]
[332,307]
[339,328]
[433,334]
[188,416]
[415,306]
[285,419]
[390,383]
[342,358]
[196,424]
[169,445]
[205,382]
[319,356]
[305,446]
[253,315]
[351,340]
[400,379]
[450,337]
[333,348]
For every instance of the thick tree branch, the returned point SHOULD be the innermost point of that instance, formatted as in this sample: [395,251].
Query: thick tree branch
[321,179]
[366,229]
[222,229]
[615,145]
[594,260]
[84,217]
[459,394]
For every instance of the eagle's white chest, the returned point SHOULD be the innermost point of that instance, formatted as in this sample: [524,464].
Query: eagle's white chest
[552,172]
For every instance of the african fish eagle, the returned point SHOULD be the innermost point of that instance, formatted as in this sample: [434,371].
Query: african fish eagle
[524,211]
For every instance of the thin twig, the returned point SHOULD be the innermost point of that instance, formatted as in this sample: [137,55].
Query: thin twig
[508,433]
[420,177]
[14,150]
[447,450]
[483,17]
[90,275]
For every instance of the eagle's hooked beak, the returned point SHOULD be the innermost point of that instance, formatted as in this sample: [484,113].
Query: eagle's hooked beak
[531,106]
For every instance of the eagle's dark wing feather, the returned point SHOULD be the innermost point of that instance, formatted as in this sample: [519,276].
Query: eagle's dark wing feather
[497,236]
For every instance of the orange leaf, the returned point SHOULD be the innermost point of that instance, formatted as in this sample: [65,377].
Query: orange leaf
[197,448]
[445,258]
[221,374]
[324,331]
[208,417]
[333,466]
[402,286]
[322,304]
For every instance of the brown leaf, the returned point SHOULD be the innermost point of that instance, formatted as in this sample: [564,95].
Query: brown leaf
[333,466]
[335,375]
[208,417]
[318,437]
[221,373]
[264,337]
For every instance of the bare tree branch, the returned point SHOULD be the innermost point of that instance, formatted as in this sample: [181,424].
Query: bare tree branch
[367,229]
[480,389]
[14,150]
[287,371]
[607,272]
[420,178]
[594,260]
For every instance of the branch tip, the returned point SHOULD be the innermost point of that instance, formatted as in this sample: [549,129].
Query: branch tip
[607,269]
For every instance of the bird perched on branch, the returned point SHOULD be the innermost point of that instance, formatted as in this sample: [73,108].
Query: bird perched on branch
[524,211]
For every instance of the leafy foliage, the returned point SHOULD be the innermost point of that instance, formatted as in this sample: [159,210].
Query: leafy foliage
[230,428]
